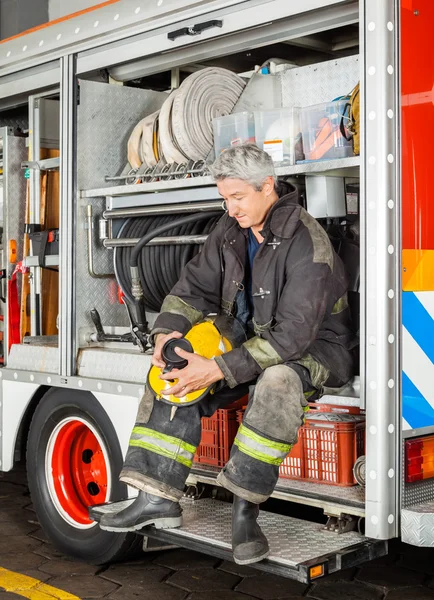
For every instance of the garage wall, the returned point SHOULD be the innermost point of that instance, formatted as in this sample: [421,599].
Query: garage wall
[18,15]
[60,8]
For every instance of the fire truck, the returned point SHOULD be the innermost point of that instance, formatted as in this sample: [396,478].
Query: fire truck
[73,207]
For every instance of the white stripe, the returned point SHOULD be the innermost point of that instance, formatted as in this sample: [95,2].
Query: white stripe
[405,425]
[427,300]
[417,366]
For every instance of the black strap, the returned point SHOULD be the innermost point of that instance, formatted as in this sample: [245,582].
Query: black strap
[43,247]
[32,228]
[341,124]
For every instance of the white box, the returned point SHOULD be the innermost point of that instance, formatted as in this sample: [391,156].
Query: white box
[277,132]
[325,196]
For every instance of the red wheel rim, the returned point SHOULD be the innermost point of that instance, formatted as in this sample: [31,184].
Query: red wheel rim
[78,469]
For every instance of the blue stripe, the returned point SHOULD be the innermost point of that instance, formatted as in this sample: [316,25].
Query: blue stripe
[416,410]
[419,323]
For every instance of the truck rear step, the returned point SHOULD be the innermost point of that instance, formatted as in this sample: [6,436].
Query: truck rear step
[296,546]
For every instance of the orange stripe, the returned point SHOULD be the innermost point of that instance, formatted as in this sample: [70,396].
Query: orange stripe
[418,270]
[61,20]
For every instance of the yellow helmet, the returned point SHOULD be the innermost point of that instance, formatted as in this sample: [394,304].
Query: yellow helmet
[203,339]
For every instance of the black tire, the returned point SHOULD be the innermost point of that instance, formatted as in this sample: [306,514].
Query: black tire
[90,544]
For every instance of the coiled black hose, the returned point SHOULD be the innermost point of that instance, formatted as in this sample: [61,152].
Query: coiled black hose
[159,266]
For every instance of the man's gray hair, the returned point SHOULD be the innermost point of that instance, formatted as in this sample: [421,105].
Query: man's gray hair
[246,162]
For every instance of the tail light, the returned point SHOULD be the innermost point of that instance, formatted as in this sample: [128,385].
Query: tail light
[419,458]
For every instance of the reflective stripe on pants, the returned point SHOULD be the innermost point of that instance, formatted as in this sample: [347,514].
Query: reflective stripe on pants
[261,448]
[162,444]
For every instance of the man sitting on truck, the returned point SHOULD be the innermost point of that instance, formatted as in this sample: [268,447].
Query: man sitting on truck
[271,266]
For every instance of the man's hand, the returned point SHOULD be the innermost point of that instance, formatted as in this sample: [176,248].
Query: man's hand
[160,340]
[198,374]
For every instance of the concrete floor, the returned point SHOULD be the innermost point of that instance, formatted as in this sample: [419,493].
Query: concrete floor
[406,574]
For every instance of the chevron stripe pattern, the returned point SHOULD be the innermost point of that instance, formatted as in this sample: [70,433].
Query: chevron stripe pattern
[418,359]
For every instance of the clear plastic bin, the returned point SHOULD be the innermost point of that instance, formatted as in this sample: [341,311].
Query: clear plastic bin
[321,127]
[233,130]
[278,133]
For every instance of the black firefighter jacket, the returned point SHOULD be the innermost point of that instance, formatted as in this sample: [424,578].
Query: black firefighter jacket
[299,292]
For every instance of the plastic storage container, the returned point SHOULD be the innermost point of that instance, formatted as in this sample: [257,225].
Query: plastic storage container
[328,446]
[278,133]
[218,434]
[321,127]
[233,130]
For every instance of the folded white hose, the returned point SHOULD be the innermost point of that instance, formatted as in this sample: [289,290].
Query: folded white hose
[170,152]
[149,148]
[185,119]
[134,142]
[141,143]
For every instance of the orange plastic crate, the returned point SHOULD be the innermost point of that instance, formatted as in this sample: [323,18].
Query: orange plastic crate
[336,408]
[328,447]
[218,434]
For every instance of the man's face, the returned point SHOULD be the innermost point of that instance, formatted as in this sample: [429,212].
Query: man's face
[244,203]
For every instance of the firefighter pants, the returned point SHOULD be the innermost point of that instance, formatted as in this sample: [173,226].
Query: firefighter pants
[161,451]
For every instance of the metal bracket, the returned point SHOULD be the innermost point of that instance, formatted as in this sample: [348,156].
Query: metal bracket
[341,524]
[135,336]
[49,164]
[195,491]
[90,245]
[195,30]
[162,171]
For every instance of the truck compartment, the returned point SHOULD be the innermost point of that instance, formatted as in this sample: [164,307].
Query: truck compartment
[112,200]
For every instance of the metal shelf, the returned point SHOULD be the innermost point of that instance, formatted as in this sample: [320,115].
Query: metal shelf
[140,188]
[47,164]
[332,499]
[50,261]
[337,166]
[340,166]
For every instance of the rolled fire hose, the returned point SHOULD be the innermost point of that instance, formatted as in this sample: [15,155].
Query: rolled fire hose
[204,95]
[141,143]
[159,266]
[171,153]
[185,130]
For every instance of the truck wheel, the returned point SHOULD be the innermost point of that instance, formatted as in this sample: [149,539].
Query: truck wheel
[73,461]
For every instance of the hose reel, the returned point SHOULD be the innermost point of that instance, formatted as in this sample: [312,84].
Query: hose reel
[146,274]
[158,267]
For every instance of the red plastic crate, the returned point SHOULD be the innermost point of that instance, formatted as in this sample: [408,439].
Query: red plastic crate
[328,447]
[218,434]
[336,408]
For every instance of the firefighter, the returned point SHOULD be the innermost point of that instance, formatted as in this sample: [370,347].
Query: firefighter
[269,267]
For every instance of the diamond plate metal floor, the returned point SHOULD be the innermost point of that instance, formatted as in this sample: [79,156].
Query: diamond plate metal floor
[292,541]
[417,524]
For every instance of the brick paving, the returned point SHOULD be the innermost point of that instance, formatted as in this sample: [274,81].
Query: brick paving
[406,574]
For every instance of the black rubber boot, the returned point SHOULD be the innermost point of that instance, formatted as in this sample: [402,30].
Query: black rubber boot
[249,544]
[145,510]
